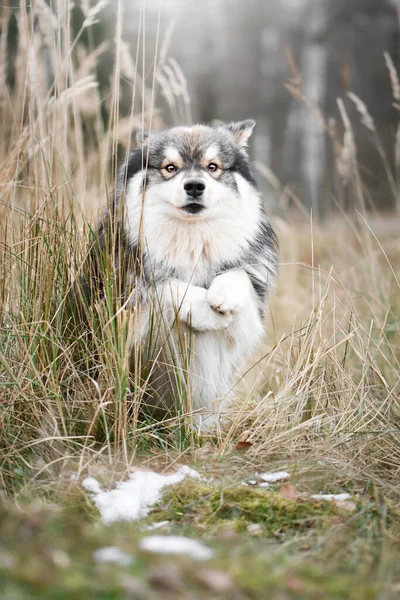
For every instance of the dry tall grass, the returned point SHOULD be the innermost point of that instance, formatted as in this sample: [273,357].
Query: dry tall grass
[326,387]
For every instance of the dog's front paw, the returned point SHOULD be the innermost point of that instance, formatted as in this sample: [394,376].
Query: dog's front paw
[222,298]
[205,319]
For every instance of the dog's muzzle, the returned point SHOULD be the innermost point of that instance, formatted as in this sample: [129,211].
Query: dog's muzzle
[194,189]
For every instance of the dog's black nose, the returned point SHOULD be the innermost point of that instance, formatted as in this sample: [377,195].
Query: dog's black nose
[194,188]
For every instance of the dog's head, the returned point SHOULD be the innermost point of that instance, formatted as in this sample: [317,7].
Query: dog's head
[193,172]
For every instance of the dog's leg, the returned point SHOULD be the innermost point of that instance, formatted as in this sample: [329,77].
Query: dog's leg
[190,304]
[229,292]
[219,357]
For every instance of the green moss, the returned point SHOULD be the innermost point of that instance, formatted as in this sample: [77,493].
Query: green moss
[206,504]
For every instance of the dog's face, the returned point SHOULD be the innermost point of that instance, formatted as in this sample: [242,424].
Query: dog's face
[194,172]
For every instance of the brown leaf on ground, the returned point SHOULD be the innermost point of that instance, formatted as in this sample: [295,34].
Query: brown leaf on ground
[288,491]
[243,445]
[243,442]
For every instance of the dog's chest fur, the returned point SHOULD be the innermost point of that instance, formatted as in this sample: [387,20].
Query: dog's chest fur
[192,251]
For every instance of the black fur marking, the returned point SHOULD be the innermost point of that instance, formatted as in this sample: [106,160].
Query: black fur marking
[229,266]
[242,167]
[265,237]
[110,256]
[259,288]
[136,159]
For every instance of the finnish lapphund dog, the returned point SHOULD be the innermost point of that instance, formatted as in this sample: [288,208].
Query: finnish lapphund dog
[193,247]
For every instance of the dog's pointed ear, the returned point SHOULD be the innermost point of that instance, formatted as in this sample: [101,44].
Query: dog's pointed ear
[141,137]
[242,130]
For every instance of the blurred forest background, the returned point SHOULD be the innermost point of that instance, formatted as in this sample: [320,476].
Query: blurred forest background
[284,63]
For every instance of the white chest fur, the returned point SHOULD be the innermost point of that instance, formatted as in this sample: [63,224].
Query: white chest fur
[193,247]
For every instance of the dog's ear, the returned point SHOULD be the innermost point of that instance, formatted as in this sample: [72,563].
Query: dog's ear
[242,130]
[141,137]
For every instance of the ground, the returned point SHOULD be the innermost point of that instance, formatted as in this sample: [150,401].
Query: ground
[274,542]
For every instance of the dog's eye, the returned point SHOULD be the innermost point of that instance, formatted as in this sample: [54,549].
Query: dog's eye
[212,167]
[170,168]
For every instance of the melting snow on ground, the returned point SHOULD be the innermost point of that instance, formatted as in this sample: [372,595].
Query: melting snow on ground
[112,554]
[132,499]
[157,525]
[274,477]
[174,544]
[337,497]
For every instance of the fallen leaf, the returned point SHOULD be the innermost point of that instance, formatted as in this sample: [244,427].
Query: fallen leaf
[288,491]
[243,442]
[243,445]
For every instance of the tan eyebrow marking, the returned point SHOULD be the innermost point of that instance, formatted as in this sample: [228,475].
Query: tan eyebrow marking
[210,156]
[173,157]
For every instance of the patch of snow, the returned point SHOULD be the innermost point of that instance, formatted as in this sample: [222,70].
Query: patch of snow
[155,525]
[265,484]
[174,544]
[185,470]
[252,482]
[132,499]
[339,497]
[91,485]
[112,554]
[274,477]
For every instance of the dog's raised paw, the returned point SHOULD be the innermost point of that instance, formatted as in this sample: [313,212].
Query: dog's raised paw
[224,297]
[222,304]
[204,318]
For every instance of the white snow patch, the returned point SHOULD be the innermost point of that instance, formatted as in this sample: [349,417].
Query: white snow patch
[174,544]
[185,470]
[338,497]
[91,485]
[274,477]
[265,484]
[155,525]
[132,499]
[112,554]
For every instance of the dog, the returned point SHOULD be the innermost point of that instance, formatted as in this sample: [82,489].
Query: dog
[197,257]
